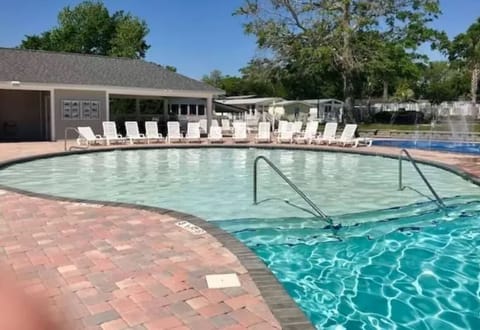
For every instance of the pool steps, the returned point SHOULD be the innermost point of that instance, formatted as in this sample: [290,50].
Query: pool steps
[371,224]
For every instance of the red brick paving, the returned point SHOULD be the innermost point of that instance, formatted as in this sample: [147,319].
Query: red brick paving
[57,251]
[104,267]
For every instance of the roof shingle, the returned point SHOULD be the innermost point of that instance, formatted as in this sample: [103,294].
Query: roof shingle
[79,69]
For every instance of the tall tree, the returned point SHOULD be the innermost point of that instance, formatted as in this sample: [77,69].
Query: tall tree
[334,29]
[465,49]
[214,78]
[89,28]
[442,81]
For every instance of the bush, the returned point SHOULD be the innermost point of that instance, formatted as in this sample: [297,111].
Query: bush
[400,117]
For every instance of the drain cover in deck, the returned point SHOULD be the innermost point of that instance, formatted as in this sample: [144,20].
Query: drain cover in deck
[221,281]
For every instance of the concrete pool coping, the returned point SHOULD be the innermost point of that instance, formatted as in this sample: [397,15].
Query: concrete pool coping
[280,303]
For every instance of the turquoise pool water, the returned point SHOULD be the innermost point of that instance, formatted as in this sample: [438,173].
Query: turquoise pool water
[419,271]
[397,262]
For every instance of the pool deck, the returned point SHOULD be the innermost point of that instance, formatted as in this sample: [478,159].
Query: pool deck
[113,266]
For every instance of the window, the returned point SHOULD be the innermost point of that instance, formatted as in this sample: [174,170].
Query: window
[192,110]
[174,109]
[151,107]
[184,109]
[201,110]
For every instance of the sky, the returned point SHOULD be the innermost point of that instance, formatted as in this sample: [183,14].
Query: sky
[195,36]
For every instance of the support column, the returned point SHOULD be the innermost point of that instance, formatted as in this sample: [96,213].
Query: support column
[107,106]
[52,115]
[165,109]
[137,109]
[209,113]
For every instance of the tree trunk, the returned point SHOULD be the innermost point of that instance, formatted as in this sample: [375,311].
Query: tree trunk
[347,63]
[349,97]
[474,90]
[385,91]
[474,86]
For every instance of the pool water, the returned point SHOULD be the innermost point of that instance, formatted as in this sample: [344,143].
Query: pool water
[449,146]
[397,262]
[417,272]
[217,184]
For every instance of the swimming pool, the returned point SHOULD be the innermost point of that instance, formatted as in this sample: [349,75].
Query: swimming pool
[405,264]
[450,146]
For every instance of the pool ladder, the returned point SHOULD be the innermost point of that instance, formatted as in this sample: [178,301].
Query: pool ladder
[316,210]
[437,200]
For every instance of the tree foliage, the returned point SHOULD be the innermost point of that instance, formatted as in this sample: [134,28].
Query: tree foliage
[339,32]
[465,49]
[89,28]
[442,81]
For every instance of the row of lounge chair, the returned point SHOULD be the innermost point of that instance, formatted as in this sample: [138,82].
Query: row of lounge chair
[133,135]
[286,133]
[292,133]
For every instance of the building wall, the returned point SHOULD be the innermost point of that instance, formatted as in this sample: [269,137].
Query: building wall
[288,111]
[76,95]
[21,115]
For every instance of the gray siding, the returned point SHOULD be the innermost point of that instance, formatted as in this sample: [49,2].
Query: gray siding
[76,95]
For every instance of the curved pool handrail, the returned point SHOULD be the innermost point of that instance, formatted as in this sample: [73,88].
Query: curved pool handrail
[438,199]
[317,210]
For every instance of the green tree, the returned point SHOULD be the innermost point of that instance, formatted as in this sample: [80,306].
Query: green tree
[465,49]
[171,68]
[389,65]
[334,30]
[89,28]
[441,81]
[214,78]
[262,78]
[403,92]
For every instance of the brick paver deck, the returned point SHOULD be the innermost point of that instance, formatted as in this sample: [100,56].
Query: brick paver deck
[113,267]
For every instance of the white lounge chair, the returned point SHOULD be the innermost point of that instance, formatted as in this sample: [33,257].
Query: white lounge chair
[151,132]
[174,135]
[203,126]
[240,132]
[329,133]
[282,124]
[226,128]
[110,133]
[363,141]
[86,136]
[252,125]
[347,137]
[263,135]
[309,134]
[285,134]
[297,127]
[215,135]
[133,133]
[193,132]
[214,123]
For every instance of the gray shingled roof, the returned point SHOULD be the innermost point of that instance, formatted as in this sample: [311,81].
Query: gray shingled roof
[64,68]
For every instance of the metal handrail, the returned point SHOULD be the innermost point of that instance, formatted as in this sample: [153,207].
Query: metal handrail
[67,129]
[438,200]
[317,210]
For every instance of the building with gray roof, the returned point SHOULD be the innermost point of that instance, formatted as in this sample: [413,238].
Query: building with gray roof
[42,93]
